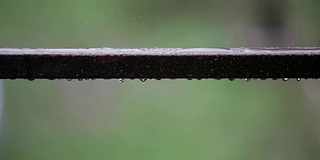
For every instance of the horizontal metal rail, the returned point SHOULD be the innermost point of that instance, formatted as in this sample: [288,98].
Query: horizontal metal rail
[160,63]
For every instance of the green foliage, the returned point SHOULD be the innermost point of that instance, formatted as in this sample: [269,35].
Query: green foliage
[167,119]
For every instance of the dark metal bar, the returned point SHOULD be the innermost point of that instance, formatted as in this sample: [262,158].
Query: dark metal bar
[160,63]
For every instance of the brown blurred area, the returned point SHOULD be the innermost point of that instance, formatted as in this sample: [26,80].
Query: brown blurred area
[273,28]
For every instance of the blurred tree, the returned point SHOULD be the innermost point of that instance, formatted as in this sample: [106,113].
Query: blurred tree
[271,17]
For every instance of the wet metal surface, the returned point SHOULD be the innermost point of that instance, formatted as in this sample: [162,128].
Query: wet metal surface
[160,63]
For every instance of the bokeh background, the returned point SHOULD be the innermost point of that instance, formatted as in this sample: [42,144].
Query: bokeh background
[166,119]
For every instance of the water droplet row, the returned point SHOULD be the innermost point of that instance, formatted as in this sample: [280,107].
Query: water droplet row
[121,80]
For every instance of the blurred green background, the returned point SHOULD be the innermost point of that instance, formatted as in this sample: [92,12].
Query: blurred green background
[166,119]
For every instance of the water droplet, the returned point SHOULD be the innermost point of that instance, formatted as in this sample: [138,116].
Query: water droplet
[298,79]
[143,79]
[121,80]
[231,79]
[30,79]
[80,79]
[285,79]
[69,79]
[247,79]
[189,77]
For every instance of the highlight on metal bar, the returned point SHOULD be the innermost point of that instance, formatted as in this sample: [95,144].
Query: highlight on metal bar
[158,63]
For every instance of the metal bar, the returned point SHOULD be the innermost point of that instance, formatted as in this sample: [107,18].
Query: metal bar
[160,63]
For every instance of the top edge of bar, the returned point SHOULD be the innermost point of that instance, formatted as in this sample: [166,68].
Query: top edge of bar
[161,51]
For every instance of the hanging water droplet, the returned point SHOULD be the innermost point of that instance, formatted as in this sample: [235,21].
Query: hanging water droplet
[143,79]
[285,79]
[189,76]
[121,80]
[80,79]
[231,79]
[69,79]
[30,79]
[247,79]
[298,79]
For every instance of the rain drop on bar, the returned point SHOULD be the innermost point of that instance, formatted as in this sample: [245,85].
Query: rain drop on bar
[159,63]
